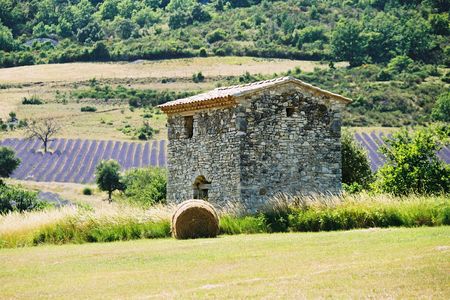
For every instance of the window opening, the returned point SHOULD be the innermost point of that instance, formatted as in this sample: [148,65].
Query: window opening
[189,126]
[290,111]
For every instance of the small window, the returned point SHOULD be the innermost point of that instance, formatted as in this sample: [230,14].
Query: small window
[289,111]
[189,126]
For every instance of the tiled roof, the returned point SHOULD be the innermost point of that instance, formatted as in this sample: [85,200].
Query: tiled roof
[227,95]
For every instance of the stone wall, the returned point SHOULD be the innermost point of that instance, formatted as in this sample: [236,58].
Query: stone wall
[295,154]
[212,152]
[254,150]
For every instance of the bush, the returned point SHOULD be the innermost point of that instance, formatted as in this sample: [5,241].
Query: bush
[198,77]
[87,191]
[412,165]
[146,186]
[215,36]
[145,132]
[88,109]
[13,198]
[8,162]
[400,64]
[355,163]
[33,100]
[441,109]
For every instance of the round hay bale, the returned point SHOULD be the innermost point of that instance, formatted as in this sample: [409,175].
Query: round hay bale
[195,219]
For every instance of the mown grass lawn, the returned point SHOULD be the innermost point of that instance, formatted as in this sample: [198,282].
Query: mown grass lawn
[380,263]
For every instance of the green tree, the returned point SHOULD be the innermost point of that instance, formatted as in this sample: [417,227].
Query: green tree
[6,38]
[8,162]
[412,165]
[382,34]
[348,42]
[108,177]
[146,186]
[108,9]
[441,109]
[100,52]
[415,38]
[355,163]
[124,28]
[91,33]
[440,23]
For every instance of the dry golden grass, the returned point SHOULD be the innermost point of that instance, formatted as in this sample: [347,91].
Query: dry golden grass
[19,229]
[179,68]
[103,124]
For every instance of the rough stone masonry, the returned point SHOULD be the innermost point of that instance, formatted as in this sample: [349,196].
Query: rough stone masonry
[247,143]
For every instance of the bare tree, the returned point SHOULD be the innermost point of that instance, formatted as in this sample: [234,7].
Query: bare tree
[43,129]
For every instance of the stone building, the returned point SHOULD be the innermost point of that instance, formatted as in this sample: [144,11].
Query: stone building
[249,142]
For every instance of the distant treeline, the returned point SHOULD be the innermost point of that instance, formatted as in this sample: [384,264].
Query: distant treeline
[358,31]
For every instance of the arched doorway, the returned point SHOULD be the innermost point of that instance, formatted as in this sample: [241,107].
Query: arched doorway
[201,187]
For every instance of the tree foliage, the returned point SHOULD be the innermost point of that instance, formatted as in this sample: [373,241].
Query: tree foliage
[412,165]
[8,162]
[441,109]
[108,177]
[348,42]
[146,186]
[355,162]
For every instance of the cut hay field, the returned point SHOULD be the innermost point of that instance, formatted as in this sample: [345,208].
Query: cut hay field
[178,68]
[375,263]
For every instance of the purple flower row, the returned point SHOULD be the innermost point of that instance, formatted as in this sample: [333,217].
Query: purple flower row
[75,160]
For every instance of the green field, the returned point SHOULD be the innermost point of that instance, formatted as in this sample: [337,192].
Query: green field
[377,263]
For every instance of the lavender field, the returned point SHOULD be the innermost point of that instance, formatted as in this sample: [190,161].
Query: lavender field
[372,141]
[75,160]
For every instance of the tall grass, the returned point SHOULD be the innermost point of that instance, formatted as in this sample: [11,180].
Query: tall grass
[322,213]
[78,225]
[283,213]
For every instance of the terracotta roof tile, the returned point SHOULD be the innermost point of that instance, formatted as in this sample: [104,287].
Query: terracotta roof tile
[239,90]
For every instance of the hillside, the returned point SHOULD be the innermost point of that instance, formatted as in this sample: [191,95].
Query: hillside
[398,52]
[358,31]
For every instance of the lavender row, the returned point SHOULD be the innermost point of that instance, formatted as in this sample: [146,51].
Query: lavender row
[72,160]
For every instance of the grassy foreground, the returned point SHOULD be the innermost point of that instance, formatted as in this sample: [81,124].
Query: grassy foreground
[400,262]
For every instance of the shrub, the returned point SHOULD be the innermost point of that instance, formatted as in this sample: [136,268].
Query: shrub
[145,132]
[33,100]
[13,198]
[355,163]
[88,109]
[8,162]
[441,109]
[215,36]
[87,191]
[146,186]
[400,64]
[412,165]
[446,77]
[202,53]
[198,77]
